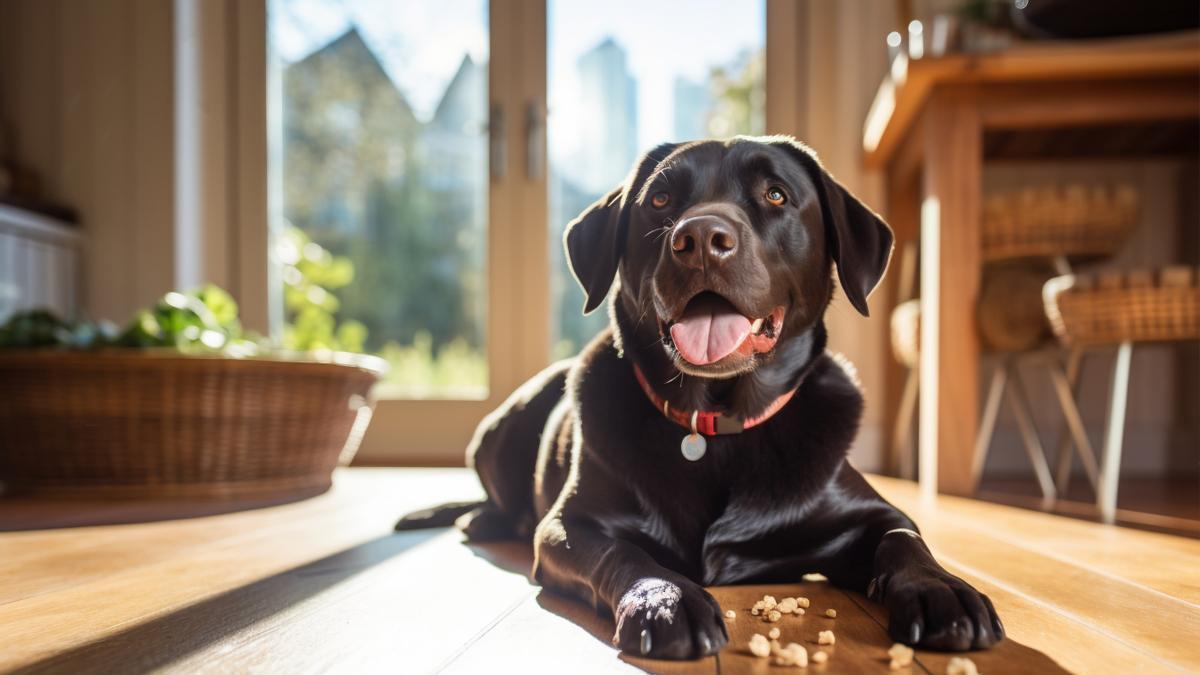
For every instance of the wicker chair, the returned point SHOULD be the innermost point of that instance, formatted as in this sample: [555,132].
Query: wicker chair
[1115,310]
[1028,235]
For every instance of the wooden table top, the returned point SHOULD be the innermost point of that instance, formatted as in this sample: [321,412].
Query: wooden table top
[904,91]
[325,585]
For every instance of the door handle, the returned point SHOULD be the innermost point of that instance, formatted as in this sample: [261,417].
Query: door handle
[535,140]
[497,143]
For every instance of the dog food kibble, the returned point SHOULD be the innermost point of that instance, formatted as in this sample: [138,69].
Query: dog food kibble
[792,655]
[825,637]
[774,616]
[831,613]
[787,605]
[960,665]
[820,657]
[759,646]
[769,602]
[802,602]
[730,614]
[902,656]
[773,633]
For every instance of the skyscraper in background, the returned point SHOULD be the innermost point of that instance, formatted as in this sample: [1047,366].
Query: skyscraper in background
[608,117]
[692,104]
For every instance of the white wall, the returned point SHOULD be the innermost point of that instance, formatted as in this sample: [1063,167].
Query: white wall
[86,95]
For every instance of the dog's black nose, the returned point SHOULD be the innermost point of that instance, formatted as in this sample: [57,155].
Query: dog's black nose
[703,240]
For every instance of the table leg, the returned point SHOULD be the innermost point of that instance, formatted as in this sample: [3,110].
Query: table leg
[950,271]
[903,201]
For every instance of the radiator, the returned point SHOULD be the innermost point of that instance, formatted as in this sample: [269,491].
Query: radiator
[39,263]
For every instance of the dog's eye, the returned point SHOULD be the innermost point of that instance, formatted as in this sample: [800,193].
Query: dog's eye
[775,196]
[660,199]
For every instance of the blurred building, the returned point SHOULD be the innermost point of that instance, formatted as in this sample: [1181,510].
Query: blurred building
[608,117]
[693,102]
[346,129]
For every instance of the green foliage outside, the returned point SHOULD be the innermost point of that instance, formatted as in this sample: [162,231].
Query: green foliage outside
[311,275]
[388,244]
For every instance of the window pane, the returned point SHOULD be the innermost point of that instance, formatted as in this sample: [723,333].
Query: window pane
[382,171]
[682,70]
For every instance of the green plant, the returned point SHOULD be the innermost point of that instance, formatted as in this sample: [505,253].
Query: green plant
[310,275]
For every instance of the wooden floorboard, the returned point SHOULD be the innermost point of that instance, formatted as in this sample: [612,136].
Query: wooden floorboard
[323,585]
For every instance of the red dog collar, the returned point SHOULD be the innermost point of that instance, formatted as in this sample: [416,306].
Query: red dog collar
[706,422]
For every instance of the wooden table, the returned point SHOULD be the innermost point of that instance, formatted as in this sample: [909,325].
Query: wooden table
[324,585]
[931,127]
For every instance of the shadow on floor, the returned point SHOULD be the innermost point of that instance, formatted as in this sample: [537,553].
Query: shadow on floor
[510,556]
[159,642]
[29,513]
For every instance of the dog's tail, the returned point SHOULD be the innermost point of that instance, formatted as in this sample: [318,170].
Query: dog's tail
[437,516]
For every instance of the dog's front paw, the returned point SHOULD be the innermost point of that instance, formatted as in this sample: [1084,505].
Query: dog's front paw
[668,620]
[935,609]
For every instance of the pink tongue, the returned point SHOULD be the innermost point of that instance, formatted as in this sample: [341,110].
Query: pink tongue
[709,331]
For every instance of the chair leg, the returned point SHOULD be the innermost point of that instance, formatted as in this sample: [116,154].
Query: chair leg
[987,423]
[1066,386]
[902,440]
[1019,400]
[1110,472]
[1062,470]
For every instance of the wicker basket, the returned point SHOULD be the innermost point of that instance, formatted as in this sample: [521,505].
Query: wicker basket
[1135,306]
[146,425]
[1074,220]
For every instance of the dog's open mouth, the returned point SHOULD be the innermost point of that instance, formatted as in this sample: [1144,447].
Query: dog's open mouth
[711,328]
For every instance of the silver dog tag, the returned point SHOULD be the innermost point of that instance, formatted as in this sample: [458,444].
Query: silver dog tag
[693,446]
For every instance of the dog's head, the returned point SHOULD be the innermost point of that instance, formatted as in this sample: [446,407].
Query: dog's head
[727,247]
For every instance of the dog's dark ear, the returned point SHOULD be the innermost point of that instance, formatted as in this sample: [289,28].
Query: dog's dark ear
[860,243]
[595,240]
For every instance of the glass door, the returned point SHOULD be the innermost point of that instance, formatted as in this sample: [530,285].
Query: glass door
[384,188]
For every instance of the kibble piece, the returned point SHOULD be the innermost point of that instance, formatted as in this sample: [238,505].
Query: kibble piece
[825,637]
[960,665]
[799,610]
[902,655]
[773,633]
[730,614]
[802,602]
[774,616]
[831,613]
[769,602]
[820,657]
[759,646]
[792,655]
[787,605]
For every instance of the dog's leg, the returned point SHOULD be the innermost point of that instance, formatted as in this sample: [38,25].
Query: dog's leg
[927,605]
[659,613]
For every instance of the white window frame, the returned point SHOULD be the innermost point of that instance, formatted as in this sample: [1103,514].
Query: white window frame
[436,431]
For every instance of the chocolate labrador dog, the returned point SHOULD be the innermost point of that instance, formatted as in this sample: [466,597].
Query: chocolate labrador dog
[702,439]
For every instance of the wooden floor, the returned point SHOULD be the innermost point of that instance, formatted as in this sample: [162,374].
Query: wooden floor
[324,585]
